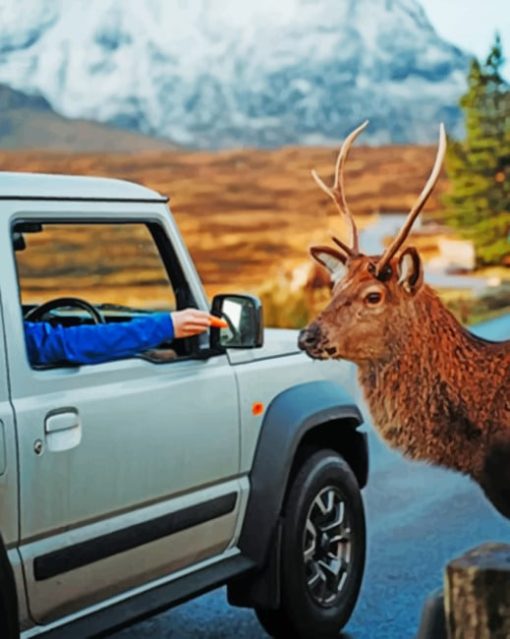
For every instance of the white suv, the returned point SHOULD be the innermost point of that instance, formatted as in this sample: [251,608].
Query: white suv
[131,485]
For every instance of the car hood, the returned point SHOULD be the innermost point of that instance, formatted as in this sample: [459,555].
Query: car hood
[278,342]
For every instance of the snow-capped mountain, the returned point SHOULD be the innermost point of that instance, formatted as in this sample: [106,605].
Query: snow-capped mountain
[218,73]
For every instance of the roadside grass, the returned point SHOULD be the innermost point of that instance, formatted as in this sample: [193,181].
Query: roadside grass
[245,215]
[285,307]
[472,309]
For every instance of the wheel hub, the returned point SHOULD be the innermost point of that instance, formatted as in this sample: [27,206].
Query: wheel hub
[327,546]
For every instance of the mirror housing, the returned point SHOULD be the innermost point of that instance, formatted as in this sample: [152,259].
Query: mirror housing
[243,313]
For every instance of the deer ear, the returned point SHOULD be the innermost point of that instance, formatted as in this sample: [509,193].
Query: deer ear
[410,270]
[333,260]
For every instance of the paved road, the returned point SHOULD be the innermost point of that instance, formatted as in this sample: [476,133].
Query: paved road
[418,518]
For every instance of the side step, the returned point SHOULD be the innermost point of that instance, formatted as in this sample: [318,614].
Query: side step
[151,602]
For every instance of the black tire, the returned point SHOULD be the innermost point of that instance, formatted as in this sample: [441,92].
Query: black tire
[8,625]
[8,603]
[306,612]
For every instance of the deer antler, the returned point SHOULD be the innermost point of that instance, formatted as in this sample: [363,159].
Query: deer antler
[337,194]
[420,203]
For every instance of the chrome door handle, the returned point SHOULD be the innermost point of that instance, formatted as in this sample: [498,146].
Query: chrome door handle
[62,430]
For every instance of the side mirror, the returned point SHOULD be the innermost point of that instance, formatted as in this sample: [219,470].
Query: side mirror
[243,314]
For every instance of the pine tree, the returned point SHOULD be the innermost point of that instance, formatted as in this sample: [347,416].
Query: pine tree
[478,167]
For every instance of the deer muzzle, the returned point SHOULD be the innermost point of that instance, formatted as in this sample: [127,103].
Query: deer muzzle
[309,338]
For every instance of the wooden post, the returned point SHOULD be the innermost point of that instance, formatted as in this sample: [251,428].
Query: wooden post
[477,593]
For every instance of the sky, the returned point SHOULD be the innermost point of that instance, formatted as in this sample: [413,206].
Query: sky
[471,24]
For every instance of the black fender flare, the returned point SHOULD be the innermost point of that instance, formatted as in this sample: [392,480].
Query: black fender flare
[289,417]
[9,622]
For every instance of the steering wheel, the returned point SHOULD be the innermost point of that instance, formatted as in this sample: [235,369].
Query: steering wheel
[36,314]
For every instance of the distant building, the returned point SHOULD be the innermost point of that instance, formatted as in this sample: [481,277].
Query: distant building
[456,255]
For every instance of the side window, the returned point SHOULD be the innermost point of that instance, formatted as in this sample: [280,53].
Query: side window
[115,268]
[106,264]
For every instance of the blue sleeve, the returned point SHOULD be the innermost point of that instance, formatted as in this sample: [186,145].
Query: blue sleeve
[96,343]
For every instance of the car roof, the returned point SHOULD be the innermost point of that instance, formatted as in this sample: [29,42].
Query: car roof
[41,186]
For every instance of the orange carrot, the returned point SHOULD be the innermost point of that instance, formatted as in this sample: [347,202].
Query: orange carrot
[217,322]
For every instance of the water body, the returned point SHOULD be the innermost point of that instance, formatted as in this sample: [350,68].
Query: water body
[496,329]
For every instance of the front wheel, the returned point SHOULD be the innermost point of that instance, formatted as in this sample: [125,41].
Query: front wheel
[323,551]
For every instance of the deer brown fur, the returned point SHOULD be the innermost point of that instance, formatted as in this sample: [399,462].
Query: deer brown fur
[435,391]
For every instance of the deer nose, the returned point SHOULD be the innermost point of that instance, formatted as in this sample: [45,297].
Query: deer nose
[309,337]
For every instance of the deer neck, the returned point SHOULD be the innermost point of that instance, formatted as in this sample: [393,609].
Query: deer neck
[419,395]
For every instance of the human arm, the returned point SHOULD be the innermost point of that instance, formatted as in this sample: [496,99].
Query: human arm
[99,343]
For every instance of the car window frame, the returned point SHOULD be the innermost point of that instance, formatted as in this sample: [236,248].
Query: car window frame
[176,275]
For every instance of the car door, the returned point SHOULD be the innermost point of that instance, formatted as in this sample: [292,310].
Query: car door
[128,469]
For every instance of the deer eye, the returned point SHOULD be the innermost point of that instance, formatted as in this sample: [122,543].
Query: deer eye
[373,298]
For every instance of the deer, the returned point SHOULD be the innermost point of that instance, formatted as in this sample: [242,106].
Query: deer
[435,391]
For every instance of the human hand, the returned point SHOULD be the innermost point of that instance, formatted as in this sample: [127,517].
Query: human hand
[190,321]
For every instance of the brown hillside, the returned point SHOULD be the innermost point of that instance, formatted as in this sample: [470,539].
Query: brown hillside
[29,122]
[248,214]
[26,128]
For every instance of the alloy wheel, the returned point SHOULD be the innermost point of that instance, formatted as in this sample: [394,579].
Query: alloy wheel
[327,546]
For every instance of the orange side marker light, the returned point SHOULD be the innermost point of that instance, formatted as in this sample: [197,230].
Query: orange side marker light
[257,408]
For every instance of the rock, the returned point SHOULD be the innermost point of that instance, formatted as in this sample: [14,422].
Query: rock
[477,593]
